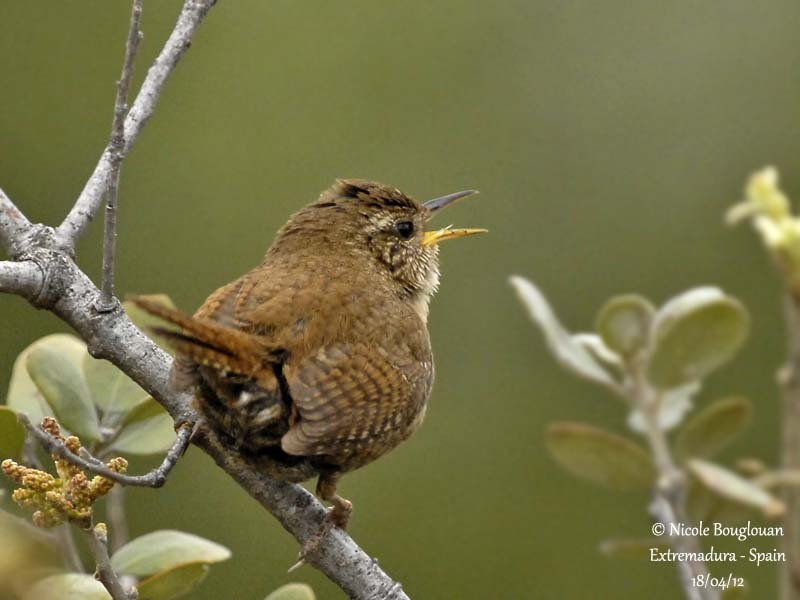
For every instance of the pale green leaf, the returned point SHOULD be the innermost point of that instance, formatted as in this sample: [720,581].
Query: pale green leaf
[112,391]
[624,323]
[161,551]
[147,429]
[693,334]
[68,586]
[12,434]
[729,485]
[713,428]
[570,353]
[23,395]
[703,504]
[600,456]
[59,377]
[173,583]
[292,591]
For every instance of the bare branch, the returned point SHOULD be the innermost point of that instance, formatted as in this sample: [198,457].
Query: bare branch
[21,278]
[154,479]
[71,295]
[115,149]
[105,572]
[13,224]
[669,494]
[192,14]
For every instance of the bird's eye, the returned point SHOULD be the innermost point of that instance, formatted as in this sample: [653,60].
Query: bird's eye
[404,229]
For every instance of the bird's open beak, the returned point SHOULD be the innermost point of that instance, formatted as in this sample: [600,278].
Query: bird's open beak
[431,238]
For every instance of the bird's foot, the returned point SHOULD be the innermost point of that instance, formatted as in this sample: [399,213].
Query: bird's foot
[337,516]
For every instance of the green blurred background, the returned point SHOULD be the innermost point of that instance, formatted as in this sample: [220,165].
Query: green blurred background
[607,140]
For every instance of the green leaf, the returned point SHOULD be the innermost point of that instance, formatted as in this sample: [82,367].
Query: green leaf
[624,323]
[703,504]
[694,334]
[164,550]
[567,351]
[23,395]
[729,485]
[112,391]
[631,548]
[57,373]
[12,434]
[293,591]
[147,429]
[713,428]
[68,586]
[173,582]
[600,456]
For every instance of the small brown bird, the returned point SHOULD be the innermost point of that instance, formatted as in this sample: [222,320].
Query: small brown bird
[318,360]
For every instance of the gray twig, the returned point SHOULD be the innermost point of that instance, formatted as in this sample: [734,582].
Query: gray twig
[117,520]
[154,479]
[105,572]
[87,204]
[115,150]
[669,494]
[21,278]
[13,224]
[69,551]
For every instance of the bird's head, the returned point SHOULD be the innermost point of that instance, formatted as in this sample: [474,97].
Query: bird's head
[359,217]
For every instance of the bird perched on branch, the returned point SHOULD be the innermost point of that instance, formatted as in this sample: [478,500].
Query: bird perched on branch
[318,360]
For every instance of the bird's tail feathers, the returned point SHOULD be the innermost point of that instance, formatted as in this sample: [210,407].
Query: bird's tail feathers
[204,341]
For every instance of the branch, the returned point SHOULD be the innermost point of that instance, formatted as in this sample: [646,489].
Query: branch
[116,145]
[117,520]
[669,494]
[154,479]
[105,572]
[21,278]
[70,294]
[69,551]
[87,204]
[13,224]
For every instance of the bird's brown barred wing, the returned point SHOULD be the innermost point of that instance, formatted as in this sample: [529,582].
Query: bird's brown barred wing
[351,399]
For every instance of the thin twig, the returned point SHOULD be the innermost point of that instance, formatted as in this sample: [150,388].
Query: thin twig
[669,501]
[116,147]
[789,381]
[117,519]
[105,572]
[69,551]
[154,479]
[13,224]
[779,478]
[88,203]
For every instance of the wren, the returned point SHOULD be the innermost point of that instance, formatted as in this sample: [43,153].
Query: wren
[318,360]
